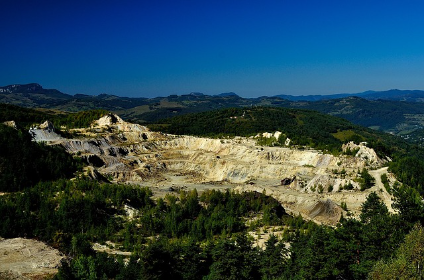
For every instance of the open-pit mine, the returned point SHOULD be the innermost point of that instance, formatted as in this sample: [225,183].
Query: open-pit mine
[306,181]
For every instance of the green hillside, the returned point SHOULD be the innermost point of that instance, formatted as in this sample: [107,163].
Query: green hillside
[385,115]
[205,236]
[25,117]
[24,163]
[396,111]
[303,127]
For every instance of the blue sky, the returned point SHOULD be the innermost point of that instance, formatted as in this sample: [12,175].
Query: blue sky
[253,48]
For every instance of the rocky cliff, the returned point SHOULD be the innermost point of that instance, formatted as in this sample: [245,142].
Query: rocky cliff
[306,182]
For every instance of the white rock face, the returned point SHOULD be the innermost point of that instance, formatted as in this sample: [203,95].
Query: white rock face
[364,152]
[47,125]
[44,133]
[287,142]
[130,211]
[276,135]
[11,124]
[114,121]
[267,135]
[239,162]
[130,153]
[108,120]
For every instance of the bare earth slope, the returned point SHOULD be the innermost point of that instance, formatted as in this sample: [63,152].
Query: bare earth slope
[27,259]
[306,182]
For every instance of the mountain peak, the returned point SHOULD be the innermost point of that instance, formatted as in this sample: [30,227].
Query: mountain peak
[26,88]
[196,94]
[228,94]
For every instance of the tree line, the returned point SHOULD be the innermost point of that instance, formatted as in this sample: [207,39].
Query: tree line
[23,163]
[192,236]
[26,117]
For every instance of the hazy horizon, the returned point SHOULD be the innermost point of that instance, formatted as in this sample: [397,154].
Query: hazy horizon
[200,92]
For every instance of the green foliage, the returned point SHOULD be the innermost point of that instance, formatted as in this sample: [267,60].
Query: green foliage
[57,211]
[373,207]
[384,114]
[26,117]
[410,171]
[198,236]
[263,141]
[343,205]
[273,260]
[366,181]
[348,186]
[23,116]
[303,127]
[79,119]
[408,262]
[386,183]
[350,152]
[23,163]
[346,135]
[409,203]
[348,251]
[223,214]
[233,259]
[313,256]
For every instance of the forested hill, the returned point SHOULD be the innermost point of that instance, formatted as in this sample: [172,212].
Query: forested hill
[208,235]
[397,111]
[25,117]
[303,127]
[23,163]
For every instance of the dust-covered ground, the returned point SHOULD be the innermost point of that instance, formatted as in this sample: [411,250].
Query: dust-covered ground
[22,258]
[305,181]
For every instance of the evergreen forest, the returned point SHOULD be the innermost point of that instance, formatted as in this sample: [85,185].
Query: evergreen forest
[191,235]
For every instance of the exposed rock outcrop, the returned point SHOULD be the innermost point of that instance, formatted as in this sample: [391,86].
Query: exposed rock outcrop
[363,152]
[44,133]
[276,135]
[47,126]
[27,259]
[325,210]
[125,152]
[113,121]
[11,124]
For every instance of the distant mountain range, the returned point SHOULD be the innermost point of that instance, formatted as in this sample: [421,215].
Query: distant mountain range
[393,94]
[396,111]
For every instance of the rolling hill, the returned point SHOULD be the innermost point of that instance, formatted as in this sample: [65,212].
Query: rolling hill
[396,111]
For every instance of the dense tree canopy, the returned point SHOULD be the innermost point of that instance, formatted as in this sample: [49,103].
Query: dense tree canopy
[23,163]
[26,117]
[205,236]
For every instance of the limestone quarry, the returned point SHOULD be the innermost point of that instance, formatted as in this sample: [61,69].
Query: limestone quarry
[305,181]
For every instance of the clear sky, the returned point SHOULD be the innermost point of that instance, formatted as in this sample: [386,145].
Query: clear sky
[253,48]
